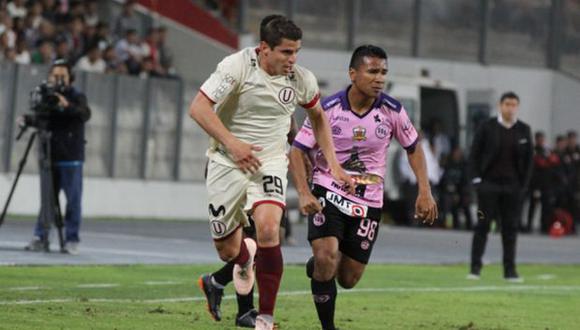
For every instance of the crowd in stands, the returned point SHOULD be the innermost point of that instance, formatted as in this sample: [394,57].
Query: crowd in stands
[41,31]
[553,194]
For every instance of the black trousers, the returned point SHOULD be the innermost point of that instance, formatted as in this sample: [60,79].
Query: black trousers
[503,203]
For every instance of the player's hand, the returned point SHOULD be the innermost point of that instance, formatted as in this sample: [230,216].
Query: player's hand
[308,204]
[426,208]
[243,155]
[347,181]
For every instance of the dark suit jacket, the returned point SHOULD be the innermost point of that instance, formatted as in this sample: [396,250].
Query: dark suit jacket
[486,147]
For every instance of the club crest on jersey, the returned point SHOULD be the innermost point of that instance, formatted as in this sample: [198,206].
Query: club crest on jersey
[286,95]
[318,219]
[336,130]
[382,131]
[347,207]
[359,133]
[365,245]
[218,227]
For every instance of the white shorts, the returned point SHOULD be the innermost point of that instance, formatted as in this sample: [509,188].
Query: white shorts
[232,195]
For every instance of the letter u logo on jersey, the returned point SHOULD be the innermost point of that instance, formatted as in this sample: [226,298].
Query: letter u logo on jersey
[286,95]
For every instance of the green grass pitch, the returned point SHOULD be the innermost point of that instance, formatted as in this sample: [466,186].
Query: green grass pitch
[388,297]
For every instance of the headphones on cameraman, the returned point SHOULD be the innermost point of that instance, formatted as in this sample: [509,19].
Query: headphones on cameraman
[64,63]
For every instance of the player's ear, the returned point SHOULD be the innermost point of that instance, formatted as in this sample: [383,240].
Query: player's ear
[351,74]
[264,47]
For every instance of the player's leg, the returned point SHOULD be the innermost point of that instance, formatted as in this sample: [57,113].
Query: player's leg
[226,195]
[213,285]
[269,261]
[266,203]
[349,272]
[325,232]
[322,283]
[356,247]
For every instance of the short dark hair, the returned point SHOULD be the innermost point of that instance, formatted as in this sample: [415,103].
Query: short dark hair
[365,51]
[539,134]
[559,138]
[274,28]
[572,134]
[63,63]
[509,95]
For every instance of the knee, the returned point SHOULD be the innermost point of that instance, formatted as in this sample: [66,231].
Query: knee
[268,234]
[228,252]
[325,263]
[348,281]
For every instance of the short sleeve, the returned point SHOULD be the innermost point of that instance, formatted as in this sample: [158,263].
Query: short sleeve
[308,95]
[224,80]
[404,131]
[305,139]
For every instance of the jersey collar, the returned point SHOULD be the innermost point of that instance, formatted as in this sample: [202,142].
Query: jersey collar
[346,104]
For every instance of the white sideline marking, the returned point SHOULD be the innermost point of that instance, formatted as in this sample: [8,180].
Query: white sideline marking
[24,288]
[97,285]
[162,282]
[546,277]
[546,288]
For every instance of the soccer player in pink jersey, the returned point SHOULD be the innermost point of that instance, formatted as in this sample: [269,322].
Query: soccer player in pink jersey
[343,226]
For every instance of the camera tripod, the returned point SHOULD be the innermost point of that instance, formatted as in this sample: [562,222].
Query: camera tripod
[49,203]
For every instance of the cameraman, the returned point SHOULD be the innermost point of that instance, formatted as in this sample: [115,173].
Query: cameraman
[65,112]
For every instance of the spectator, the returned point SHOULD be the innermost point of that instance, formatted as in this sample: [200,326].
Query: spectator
[114,65]
[455,192]
[63,50]
[148,69]
[409,184]
[574,152]
[74,37]
[9,54]
[127,20]
[92,61]
[50,10]
[16,8]
[47,31]
[152,49]
[35,14]
[130,51]
[45,53]
[91,13]
[7,33]
[542,188]
[439,140]
[165,56]
[22,53]
[102,36]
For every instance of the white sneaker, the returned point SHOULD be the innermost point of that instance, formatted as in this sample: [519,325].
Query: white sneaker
[473,277]
[244,276]
[71,248]
[264,322]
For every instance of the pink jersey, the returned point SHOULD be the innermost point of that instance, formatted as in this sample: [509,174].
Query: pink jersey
[361,144]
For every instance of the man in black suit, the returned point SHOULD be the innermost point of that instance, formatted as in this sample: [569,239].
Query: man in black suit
[501,165]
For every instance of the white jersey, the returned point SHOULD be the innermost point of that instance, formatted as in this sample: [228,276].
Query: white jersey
[255,106]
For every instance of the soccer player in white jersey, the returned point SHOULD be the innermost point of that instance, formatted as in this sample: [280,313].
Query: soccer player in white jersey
[343,226]
[254,93]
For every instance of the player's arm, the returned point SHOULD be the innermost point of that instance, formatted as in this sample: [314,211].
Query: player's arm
[308,204]
[201,110]
[425,206]
[321,130]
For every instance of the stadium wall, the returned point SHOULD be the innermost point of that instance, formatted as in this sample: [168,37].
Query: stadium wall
[116,198]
